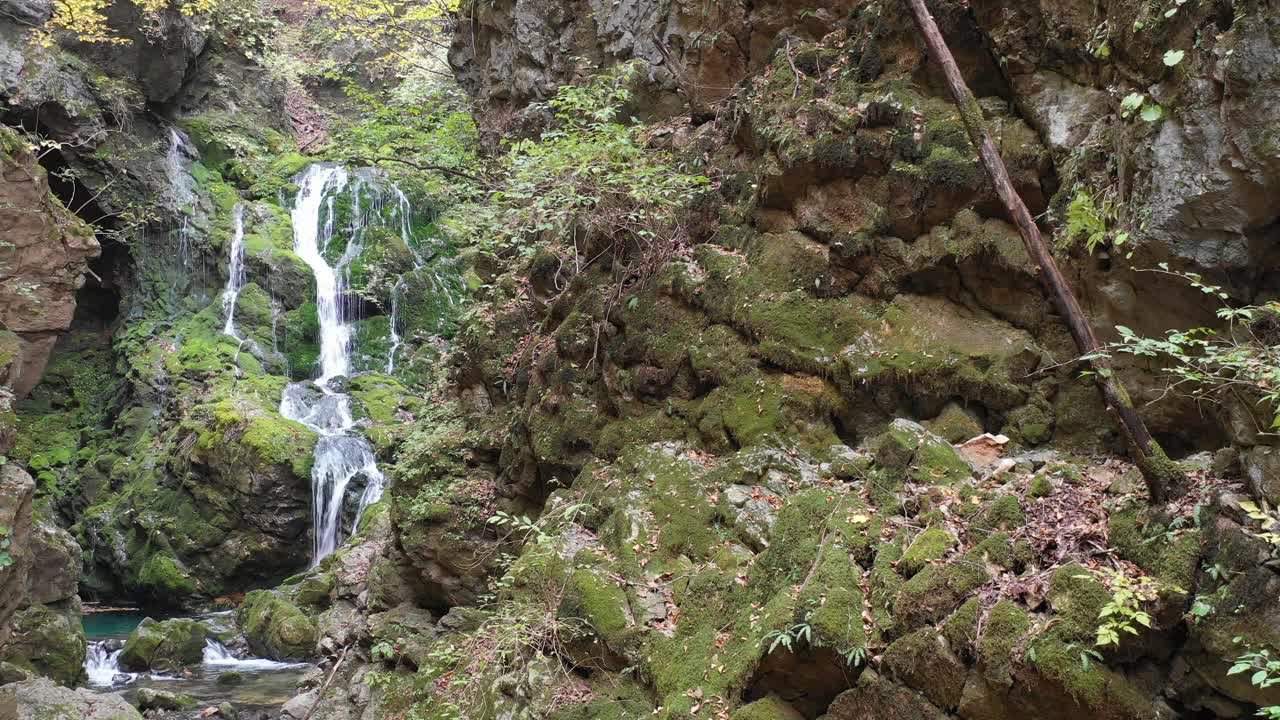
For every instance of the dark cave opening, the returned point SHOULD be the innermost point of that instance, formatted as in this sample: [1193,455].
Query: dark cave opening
[98,300]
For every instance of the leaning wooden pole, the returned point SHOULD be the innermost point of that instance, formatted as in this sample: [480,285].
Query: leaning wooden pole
[1163,477]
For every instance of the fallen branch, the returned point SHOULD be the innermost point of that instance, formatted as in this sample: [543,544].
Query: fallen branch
[1163,477]
[329,681]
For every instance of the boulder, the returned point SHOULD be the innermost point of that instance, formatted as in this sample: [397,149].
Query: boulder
[55,573]
[164,645]
[49,641]
[153,699]
[275,627]
[1262,468]
[41,699]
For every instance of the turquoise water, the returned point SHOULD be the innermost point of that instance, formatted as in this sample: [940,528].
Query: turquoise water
[107,625]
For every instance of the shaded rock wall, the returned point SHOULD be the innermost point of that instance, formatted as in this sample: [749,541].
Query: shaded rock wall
[44,254]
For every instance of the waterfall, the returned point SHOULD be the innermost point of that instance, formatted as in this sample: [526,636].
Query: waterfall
[341,453]
[235,273]
[395,324]
[217,655]
[102,666]
[177,161]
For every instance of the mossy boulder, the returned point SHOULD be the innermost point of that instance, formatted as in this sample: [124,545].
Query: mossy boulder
[275,627]
[875,696]
[924,660]
[48,641]
[932,544]
[164,645]
[153,699]
[907,448]
[768,708]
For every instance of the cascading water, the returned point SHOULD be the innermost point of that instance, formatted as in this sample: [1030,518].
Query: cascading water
[341,454]
[219,656]
[235,273]
[102,665]
[396,340]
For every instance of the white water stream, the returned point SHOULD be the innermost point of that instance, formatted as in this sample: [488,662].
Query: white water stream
[235,273]
[341,453]
[102,665]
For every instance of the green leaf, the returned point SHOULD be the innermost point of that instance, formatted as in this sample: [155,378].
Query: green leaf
[1173,57]
[1152,112]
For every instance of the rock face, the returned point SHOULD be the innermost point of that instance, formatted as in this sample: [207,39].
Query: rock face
[40,699]
[511,52]
[44,253]
[16,492]
[40,630]
[55,574]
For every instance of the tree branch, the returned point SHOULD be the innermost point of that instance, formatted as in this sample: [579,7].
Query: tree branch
[1163,477]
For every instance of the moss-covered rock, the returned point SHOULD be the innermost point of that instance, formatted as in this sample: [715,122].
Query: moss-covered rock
[165,645]
[48,641]
[153,699]
[932,544]
[275,627]
[769,708]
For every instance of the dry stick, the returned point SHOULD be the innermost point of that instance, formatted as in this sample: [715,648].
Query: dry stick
[332,674]
[1163,477]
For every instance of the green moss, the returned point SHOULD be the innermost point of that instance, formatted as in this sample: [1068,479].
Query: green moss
[720,355]
[597,599]
[961,629]
[653,427]
[164,646]
[1173,561]
[932,544]
[1002,633]
[1077,598]
[1093,685]
[163,577]
[1003,513]
[933,592]
[275,627]
[948,166]
[1040,486]
[954,424]
[769,708]
[48,642]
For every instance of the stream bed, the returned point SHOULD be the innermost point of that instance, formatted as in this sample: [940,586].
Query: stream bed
[264,685]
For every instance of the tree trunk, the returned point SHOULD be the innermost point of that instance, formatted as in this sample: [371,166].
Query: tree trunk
[1163,477]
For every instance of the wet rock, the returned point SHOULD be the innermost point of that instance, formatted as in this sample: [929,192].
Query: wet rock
[276,628]
[165,645]
[754,512]
[299,705]
[41,699]
[153,699]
